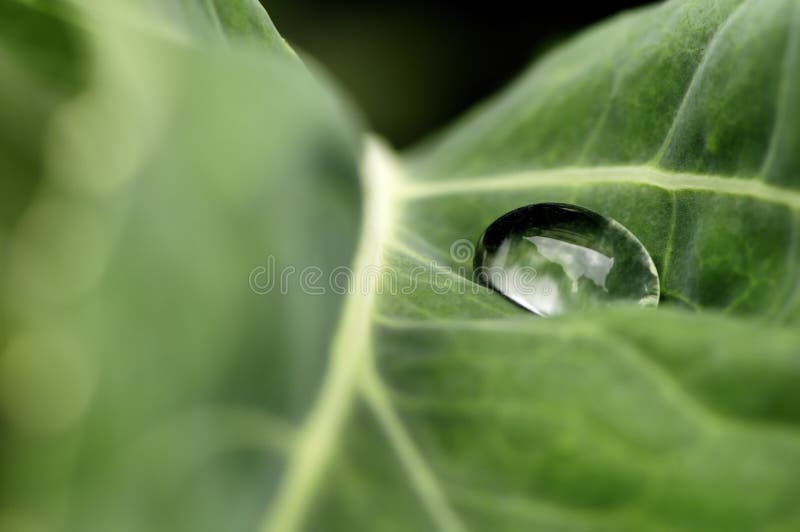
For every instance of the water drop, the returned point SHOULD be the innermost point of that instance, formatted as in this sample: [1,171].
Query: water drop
[552,258]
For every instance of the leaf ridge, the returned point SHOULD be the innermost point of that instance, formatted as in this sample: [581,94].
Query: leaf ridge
[215,20]
[794,245]
[673,222]
[716,418]
[697,78]
[792,45]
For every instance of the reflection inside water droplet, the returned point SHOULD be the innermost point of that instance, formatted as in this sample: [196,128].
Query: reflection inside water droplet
[553,258]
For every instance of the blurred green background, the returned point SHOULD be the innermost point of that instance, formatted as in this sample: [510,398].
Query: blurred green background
[413,65]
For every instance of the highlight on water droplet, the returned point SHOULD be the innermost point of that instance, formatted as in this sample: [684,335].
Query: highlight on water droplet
[553,258]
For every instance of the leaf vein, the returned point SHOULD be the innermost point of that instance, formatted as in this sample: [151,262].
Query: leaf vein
[697,78]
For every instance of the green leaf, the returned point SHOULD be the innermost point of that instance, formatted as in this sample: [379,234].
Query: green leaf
[145,386]
[466,413]
[678,121]
[674,121]
[142,359]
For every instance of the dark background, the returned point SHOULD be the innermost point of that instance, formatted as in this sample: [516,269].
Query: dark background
[412,66]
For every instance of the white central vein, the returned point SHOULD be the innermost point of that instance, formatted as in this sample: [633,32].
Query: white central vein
[351,372]
[351,347]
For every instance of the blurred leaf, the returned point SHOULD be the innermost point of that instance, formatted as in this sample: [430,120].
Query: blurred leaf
[43,65]
[147,380]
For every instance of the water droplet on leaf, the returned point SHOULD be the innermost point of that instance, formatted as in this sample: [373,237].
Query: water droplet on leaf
[552,258]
